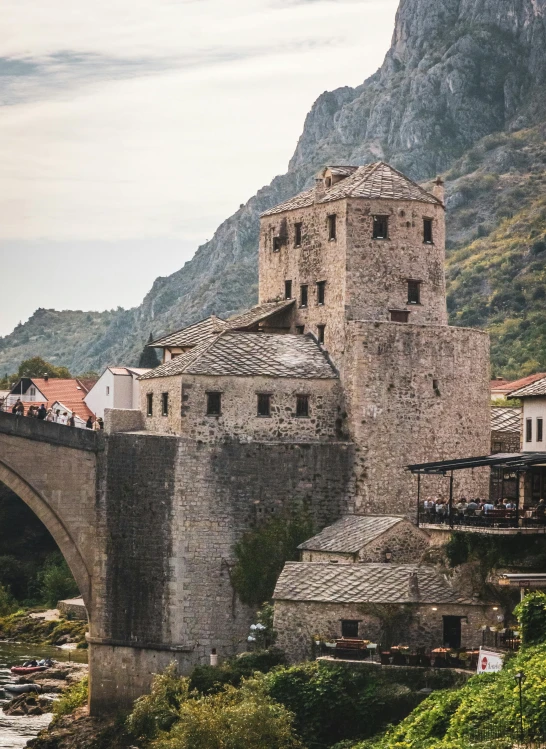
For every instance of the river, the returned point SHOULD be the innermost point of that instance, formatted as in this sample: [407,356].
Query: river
[15,731]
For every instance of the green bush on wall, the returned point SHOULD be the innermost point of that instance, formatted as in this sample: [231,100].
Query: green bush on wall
[531,615]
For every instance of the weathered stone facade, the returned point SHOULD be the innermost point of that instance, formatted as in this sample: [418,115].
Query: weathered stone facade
[187,413]
[297,623]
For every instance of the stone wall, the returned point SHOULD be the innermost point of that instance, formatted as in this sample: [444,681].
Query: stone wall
[298,622]
[505,442]
[123,420]
[415,393]
[239,419]
[406,543]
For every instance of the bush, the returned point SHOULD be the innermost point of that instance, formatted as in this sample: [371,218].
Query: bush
[531,615]
[57,581]
[232,719]
[6,602]
[76,696]
[212,679]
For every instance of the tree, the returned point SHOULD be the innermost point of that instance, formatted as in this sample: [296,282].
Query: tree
[261,554]
[148,358]
[37,367]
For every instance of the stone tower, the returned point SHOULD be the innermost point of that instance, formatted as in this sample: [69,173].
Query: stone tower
[362,254]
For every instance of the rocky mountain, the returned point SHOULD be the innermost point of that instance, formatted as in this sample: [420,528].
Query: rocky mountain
[460,92]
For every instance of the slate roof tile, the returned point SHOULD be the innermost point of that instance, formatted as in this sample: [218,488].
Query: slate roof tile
[364,583]
[372,181]
[251,354]
[535,388]
[505,419]
[351,533]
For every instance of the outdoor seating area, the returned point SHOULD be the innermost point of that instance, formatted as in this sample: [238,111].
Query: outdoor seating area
[353,649]
[432,513]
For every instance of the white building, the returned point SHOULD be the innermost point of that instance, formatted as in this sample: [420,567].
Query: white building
[117,387]
[533,397]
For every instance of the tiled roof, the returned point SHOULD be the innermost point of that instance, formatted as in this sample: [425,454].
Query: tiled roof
[350,534]
[538,387]
[499,384]
[505,419]
[513,385]
[258,314]
[251,354]
[193,334]
[364,583]
[371,181]
[342,171]
[69,392]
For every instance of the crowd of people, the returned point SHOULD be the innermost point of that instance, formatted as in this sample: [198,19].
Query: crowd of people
[437,510]
[55,415]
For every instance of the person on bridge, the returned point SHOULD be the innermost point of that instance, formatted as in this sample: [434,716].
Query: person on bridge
[42,412]
[89,423]
[15,409]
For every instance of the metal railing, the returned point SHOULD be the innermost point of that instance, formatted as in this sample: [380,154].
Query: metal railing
[498,519]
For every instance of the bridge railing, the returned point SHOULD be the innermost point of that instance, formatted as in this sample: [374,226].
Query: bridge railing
[45,431]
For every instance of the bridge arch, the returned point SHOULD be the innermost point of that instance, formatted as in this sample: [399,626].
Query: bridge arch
[42,509]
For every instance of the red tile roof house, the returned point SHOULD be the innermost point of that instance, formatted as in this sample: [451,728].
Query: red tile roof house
[501,389]
[67,394]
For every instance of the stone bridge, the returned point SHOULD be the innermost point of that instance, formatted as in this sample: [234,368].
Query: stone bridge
[147,524]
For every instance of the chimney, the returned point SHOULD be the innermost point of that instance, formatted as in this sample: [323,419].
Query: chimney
[414,587]
[46,376]
[320,190]
[438,190]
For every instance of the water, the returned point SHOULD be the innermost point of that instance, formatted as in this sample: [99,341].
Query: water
[16,730]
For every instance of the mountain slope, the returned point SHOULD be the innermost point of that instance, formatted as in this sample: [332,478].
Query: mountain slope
[457,72]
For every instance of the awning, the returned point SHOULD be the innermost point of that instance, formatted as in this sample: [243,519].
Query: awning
[524,580]
[514,461]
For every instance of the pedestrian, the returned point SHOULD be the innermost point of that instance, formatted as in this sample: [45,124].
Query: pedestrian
[62,418]
[42,412]
[100,423]
[21,409]
[15,409]
[89,423]
[50,416]
[57,417]
[72,420]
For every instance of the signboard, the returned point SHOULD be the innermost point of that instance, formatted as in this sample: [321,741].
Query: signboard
[489,661]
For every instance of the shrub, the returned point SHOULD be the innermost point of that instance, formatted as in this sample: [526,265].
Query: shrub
[211,679]
[57,581]
[6,602]
[76,696]
[159,710]
[232,719]
[531,615]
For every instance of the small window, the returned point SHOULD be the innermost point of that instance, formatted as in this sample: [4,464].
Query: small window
[320,333]
[107,390]
[302,406]
[297,235]
[264,404]
[150,404]
[380,227]
[300,329]
[328,182]
[277,244]
[414,292]
[321,292]
[214,404]
[33,391]
[288,289]
[304,293]
[332,228]
[349,628]
[528,430]
[540,430]
[399,315]
[164,404]
[427,230]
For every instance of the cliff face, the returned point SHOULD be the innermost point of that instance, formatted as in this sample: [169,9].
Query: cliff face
[457,72]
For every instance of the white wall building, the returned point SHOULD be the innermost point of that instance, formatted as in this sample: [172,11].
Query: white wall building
[534,416]
[117,387]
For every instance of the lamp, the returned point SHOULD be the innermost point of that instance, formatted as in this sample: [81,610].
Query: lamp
[520,678]
[388,555]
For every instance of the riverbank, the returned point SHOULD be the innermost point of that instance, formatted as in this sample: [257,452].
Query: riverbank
[43,628]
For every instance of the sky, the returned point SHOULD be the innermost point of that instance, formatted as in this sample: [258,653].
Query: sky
[130,129]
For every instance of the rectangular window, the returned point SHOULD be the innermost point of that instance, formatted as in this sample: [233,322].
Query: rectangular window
[349,628]
[302,406]
[540,430]
[297,235]
[427,230]
[264,404]
[304,292]
[399,315]
[150,404]
[107,390]
[528,430]
[214,404]
[332,228]
[164,404]
[321,292]
[288,289]
[320,333]
[300,329]
[277,244]
[380,227]
[414,292]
